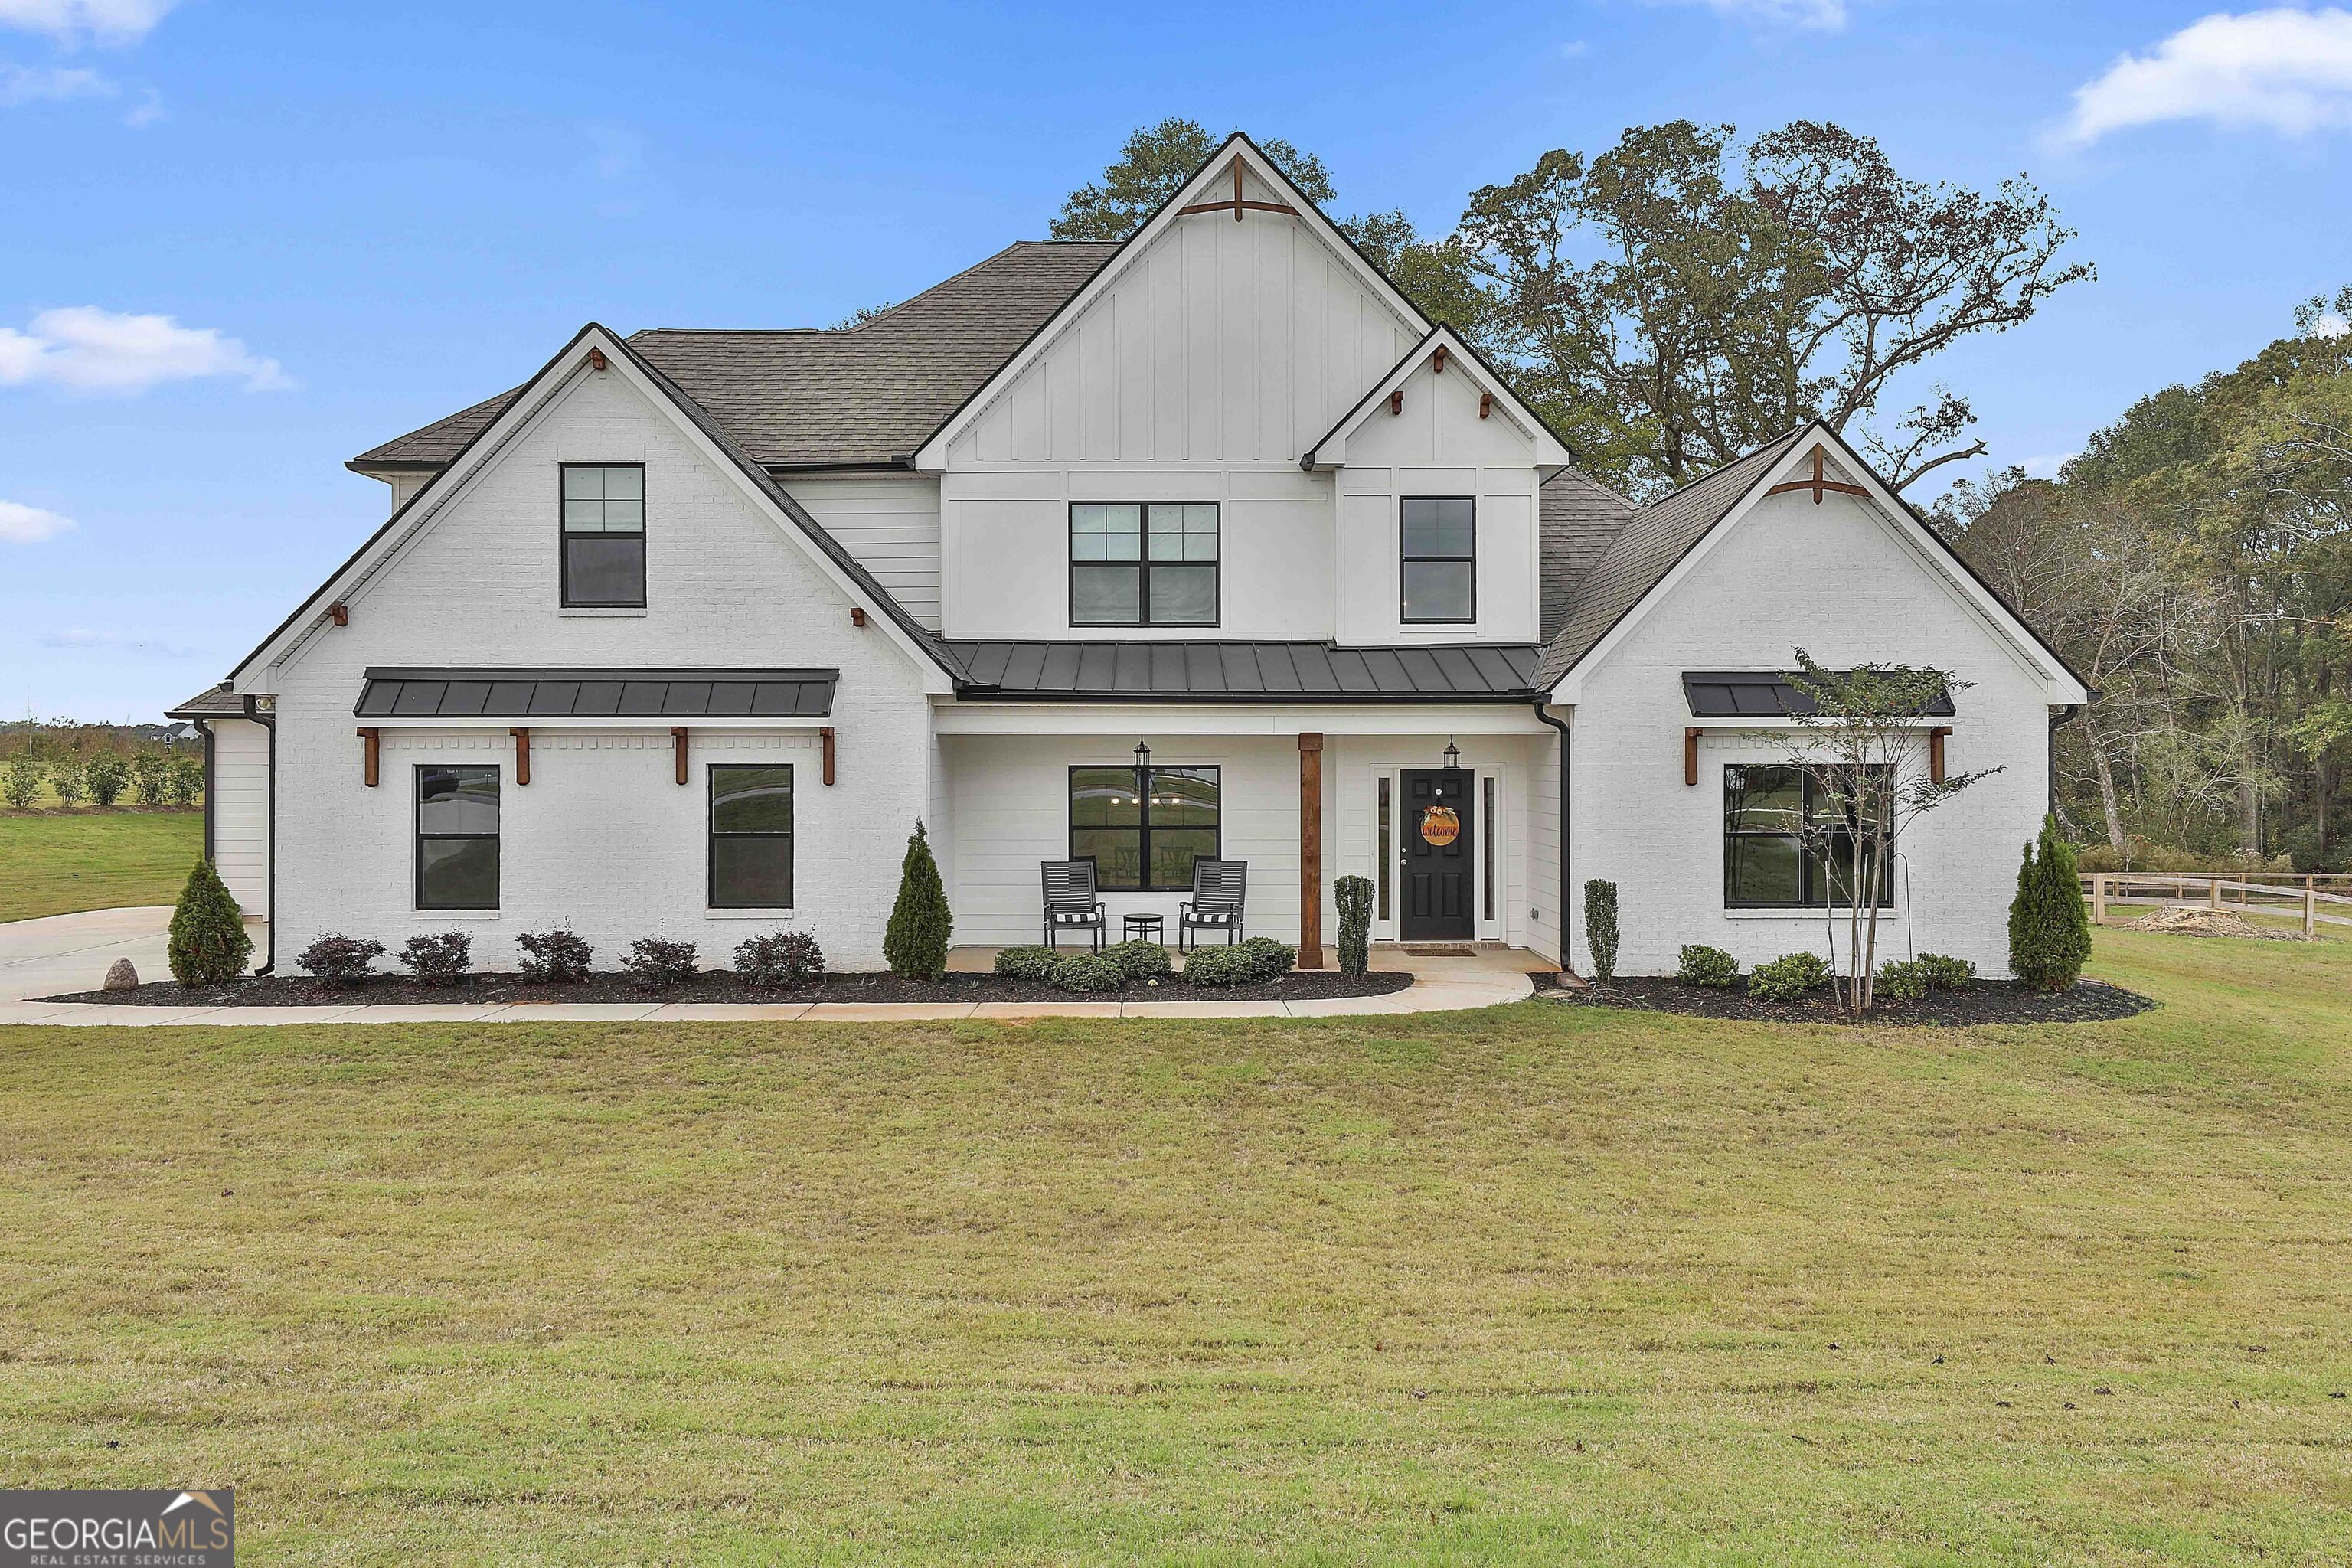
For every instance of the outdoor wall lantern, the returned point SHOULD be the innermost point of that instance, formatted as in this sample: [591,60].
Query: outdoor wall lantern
[1142,767]
[1452,756]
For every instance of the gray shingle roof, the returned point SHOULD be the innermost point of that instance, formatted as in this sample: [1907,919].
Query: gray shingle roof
[1580,519]
[596,693]
[1645,549]
[865,393]
[213,702]
[1245,671]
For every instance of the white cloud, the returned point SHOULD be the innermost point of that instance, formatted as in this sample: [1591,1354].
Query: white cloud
[102,21]
[91,350]
[84,638]
[1826,14]
[1575,49]
[49,84]
[2283,69]
[2328,324]
[2045,466]
[22,524]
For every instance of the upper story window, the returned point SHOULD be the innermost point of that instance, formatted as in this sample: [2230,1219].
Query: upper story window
[1143,563]
[1439,572]
[603,534]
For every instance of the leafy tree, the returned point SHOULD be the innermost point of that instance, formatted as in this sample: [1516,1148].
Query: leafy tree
[1865,748]
[208,945]
[107,775]
[916,944]
[2048,930]
[1673,302]
[150,776]
[66,777]
[1153,165]
[21,785]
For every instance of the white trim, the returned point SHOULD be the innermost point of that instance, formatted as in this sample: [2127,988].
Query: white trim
[1236,719]
[732,913]
[662,723]
[1481,929]
[1331,451]
[601,612]
[415,914]
[432,502]
[2061,687]
[1201,187]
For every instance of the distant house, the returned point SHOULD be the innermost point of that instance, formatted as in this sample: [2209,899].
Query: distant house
[1207,545]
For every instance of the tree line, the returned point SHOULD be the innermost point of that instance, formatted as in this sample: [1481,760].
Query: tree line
[2194,564]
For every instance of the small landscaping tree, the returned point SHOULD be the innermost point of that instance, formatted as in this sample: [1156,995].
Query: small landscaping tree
[1600,927]
[208,945]
[1865,749]
[66,778]
[1354,897]
[21,785]
[107,775]
[183,780]
[916,944]
[2049,932]
[150,776]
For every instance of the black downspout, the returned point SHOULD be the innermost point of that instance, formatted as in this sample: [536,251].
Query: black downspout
[269,896]
[2072,709]
[1565,887]
[206,732]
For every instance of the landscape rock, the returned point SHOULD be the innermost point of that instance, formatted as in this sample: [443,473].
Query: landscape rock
[121,975]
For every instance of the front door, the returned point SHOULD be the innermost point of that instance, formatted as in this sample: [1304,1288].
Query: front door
[1440,835]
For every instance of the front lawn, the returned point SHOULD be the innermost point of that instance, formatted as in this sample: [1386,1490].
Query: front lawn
[1539,1284]
[53,862]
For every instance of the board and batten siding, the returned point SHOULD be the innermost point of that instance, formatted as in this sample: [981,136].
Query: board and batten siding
[890,522]
[1222,342]
[240,812]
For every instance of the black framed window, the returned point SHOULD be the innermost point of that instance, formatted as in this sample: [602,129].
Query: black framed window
[1438,575]
[1144,841]
[1143,563]
[1788,839]
[603,534]
[751,836]
[456,837]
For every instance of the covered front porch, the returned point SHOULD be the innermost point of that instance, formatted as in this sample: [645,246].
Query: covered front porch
[1452,814]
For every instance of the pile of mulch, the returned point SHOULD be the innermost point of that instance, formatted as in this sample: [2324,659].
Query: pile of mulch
[2177,921]
[723,985]
[1986,1001]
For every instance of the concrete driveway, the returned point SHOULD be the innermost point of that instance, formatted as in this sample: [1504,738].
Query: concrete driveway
[71,952]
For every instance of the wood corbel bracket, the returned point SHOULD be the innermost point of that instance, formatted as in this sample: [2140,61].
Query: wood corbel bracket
[371,746]
[1690,753]
[1820,482]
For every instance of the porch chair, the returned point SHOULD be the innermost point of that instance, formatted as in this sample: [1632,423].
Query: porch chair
[1218,887]
[1071,903]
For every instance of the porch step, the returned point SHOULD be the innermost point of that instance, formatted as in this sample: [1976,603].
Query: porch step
[1440,950]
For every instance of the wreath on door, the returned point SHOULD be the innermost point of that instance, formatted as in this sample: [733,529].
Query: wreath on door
[1440,826]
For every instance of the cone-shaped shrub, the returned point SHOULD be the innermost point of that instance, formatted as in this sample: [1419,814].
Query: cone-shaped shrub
[1354,896]
[916,945]
[2049,932]
[209,946]
[1600,927]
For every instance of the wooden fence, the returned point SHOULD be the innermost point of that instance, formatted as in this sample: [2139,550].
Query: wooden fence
[2295,894]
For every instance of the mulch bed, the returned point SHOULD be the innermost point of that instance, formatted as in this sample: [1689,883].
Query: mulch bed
[1986,1001]
[481,990]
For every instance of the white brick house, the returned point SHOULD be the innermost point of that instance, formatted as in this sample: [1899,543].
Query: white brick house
[1206,545]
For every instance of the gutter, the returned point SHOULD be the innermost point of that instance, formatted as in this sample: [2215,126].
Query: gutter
[1565,741]
[2073,710]
[269,808]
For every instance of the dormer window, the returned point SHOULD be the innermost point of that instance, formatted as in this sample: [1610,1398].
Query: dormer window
[603,535]
[1143,563]
[1439,569]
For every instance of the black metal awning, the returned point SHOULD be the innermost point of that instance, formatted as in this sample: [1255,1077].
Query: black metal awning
[1766,694]
[1244,672]
[597,694]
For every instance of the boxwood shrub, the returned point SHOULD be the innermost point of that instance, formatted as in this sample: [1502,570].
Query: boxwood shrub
[1221,966]
[1946,973]
[1030,962]
[1084,972]
[1140,959]
[1709,966]
[1900,981]
[1788,977]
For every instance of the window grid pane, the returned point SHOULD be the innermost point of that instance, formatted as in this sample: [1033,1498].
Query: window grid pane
[1143,563]
[1146,841]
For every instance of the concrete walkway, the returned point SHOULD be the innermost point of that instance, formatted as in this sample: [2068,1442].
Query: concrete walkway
[71,952]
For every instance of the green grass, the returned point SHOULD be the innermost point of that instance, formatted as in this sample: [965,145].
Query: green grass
[1533,1285]
[52,862]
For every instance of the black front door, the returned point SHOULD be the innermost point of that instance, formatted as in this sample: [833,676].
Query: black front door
[1440,834]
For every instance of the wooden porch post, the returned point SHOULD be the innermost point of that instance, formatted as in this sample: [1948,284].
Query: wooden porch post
[1310,850]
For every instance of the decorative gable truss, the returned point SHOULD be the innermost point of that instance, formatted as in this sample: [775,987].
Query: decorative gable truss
[1230,327]
[1440,352]
[593,351]
[1817,463]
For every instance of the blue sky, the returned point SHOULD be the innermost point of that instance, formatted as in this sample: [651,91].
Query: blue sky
[359,218]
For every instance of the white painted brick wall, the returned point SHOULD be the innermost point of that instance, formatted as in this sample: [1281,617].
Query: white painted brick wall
[601,838]
[1836,581]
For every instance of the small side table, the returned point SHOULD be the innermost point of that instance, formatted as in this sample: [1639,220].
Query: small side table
[1135,928]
